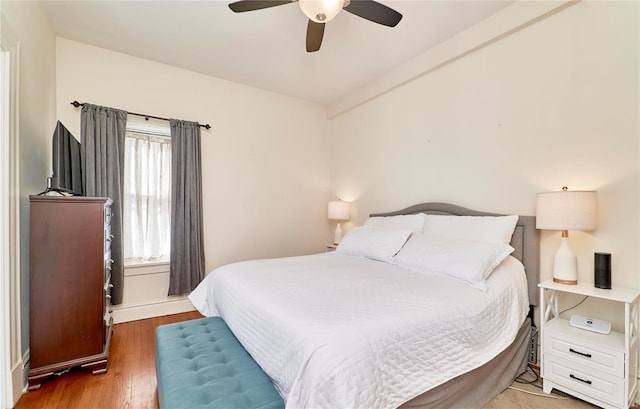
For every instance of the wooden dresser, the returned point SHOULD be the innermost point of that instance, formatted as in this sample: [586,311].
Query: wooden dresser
[70,263]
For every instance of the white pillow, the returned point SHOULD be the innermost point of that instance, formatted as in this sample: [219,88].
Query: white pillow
[373,243]
[471,262]
[490,229]
[413,222]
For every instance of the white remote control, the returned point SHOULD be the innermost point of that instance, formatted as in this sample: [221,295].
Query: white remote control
[590,324]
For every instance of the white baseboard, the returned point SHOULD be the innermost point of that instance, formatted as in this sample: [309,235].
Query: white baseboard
[150,309]
[19,379]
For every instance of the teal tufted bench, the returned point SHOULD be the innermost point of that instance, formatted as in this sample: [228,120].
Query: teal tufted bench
[200,364]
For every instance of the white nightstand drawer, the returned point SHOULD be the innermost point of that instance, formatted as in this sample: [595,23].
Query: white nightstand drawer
[596,351]
[582,379]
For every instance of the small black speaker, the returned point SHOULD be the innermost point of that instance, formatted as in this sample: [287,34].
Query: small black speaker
[602,270]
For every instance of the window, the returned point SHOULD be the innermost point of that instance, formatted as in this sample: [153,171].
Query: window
[147,187]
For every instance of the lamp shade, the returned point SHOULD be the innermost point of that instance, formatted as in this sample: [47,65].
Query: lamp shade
[338,210]
[321,11]
[566,210]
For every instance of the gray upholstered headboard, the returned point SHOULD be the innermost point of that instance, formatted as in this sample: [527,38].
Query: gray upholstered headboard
[525,238]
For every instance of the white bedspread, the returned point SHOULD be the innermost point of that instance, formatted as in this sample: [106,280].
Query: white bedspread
[342,332]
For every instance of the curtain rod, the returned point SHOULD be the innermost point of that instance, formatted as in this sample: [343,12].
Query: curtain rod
[145,116]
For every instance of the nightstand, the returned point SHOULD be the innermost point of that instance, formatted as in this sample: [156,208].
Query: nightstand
[598,368]
[330,247]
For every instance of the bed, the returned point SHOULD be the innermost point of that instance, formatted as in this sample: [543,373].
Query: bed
[338,330]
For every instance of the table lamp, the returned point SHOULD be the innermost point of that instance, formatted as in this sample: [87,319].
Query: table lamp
[566,210]
[338,210]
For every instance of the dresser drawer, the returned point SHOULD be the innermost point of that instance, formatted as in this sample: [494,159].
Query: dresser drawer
[107,300]
[108,263]
[107,308]
[107,285]
[596,351]
[583,379]
[107,215]
[108,237]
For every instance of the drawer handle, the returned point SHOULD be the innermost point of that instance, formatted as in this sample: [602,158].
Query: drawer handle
[108,297]
[572,376]
[586,355]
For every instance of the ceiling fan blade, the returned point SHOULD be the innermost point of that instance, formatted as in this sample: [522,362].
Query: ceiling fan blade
[374,11]
[250,5]
[315,32]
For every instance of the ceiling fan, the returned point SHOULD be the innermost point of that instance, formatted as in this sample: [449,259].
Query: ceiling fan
[323,11]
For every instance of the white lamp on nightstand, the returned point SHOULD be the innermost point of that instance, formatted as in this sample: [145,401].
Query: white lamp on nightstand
[338,210]
[566,210]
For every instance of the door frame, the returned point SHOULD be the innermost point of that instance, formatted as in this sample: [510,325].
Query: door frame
[11,363]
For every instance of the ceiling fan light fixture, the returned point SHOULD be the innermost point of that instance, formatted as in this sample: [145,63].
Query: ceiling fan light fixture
[321,11]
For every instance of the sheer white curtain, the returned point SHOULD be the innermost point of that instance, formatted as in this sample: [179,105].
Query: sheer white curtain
[146,204]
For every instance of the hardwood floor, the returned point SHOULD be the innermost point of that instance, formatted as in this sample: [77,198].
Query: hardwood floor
[129,383]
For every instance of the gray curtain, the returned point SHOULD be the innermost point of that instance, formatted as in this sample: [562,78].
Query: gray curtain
[102,155]
[187,247]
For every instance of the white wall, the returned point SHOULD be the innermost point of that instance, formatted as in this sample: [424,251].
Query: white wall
[25,25]
[554,103]
[265,163]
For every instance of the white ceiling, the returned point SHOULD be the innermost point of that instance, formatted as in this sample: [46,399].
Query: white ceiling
[266,48]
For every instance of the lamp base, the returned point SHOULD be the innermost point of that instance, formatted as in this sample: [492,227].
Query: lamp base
[568,282]
[337,235]
[565,265]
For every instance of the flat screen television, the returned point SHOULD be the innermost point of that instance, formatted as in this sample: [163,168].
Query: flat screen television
[67,171]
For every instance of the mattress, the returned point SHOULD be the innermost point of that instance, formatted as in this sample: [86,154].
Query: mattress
[334,331]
